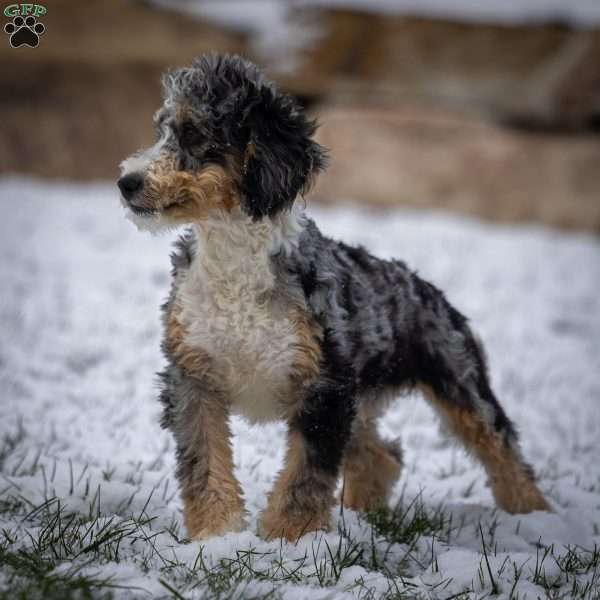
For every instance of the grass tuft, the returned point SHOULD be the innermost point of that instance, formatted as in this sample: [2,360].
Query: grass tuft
[406,524]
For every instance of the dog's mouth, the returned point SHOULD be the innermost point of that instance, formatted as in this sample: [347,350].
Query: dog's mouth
[145,211]
[142,211]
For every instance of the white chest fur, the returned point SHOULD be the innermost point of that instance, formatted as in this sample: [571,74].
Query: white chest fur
[229,309]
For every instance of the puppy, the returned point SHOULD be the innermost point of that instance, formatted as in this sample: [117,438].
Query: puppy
[269,319]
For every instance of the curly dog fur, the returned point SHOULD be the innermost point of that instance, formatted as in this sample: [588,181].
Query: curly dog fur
[270,319]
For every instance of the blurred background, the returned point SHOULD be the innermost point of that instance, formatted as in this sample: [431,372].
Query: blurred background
[486,108]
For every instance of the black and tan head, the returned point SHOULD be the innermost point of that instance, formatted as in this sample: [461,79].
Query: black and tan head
[226,140]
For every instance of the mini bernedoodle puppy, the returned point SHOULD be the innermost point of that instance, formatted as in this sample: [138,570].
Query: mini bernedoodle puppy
[269,319]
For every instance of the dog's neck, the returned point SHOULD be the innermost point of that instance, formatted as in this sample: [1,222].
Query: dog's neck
[232,250]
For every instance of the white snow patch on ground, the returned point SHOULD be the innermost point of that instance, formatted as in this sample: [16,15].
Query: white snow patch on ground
[80,290]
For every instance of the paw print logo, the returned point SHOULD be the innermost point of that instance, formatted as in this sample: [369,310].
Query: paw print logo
[24,32]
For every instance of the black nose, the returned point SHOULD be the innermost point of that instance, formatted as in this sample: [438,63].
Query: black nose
[130,184]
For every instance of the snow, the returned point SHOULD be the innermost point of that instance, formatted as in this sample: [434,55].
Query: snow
[79,322]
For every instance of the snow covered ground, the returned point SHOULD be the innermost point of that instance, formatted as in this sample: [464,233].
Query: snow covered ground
[79,324]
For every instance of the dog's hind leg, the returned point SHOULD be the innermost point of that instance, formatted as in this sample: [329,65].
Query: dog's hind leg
[496,447]
[371,465]
[453,375]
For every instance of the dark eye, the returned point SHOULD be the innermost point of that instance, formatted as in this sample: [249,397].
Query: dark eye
[189,135]
[211,152]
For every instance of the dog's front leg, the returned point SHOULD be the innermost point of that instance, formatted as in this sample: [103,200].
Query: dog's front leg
[302,496]
[199,419]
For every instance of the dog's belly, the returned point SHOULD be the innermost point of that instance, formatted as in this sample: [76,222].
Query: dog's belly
[252,348]
[259,397]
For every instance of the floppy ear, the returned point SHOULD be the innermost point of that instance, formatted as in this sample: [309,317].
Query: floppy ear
[281,159]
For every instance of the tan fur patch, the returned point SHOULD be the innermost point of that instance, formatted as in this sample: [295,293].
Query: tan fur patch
[296,507]
[306,365]
[370,472]
[195,362]
[218,506]
[186,197]
[250,151]
[181,112]
[511,485]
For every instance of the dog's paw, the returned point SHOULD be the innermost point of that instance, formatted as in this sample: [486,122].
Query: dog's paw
[370,475]
[273,525]
[24,32]
[520,498]
[231,523]
[210,515]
